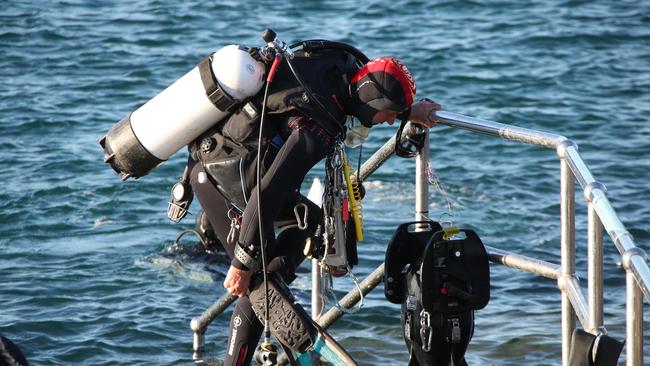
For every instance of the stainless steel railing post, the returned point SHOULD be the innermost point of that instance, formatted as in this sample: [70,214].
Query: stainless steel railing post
[422,181]
[567,243]
[634,307]
[634,321]
[316,290]
[611,223]
[595,260]
[595,270]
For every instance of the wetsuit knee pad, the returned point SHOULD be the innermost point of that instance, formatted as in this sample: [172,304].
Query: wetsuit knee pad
[288,321]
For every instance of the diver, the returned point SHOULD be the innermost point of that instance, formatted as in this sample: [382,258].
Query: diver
[286,107]
[297,135]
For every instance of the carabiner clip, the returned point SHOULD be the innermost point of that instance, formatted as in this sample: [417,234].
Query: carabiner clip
[234,226]
[302,225]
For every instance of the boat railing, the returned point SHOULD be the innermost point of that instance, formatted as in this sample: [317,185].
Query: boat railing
[600,214]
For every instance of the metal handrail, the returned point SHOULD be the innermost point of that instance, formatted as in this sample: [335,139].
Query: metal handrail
[600,214]
[594,191]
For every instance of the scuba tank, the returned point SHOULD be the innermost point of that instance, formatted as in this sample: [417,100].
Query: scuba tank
[179,114]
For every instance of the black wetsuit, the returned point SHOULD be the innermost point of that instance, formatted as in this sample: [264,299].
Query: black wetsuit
[296,136]
[305,146]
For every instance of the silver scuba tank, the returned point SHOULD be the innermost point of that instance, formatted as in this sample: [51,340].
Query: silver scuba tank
[182,112]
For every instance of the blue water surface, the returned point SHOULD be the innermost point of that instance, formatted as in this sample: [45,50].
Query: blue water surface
[89,274]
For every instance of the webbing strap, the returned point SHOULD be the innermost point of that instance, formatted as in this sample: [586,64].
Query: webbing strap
[213,91]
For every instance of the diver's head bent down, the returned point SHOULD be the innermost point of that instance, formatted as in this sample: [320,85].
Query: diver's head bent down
[383,90]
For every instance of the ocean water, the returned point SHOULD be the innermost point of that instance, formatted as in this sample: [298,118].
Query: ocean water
[89,273]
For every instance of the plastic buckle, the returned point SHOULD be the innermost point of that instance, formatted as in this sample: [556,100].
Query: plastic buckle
[221,100]
[411,303]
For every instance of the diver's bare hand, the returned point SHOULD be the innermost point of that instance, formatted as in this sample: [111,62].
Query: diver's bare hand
[237,281]
[424,113]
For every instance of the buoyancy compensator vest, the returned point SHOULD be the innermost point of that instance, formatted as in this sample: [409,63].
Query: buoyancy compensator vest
[319,93]
[187,108]
[440,276]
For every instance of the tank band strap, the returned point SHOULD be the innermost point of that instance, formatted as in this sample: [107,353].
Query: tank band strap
[213,91]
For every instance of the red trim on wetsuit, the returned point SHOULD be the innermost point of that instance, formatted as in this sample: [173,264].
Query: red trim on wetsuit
[242,356]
